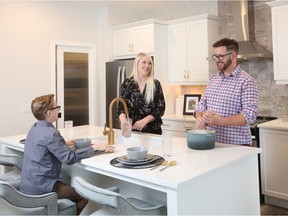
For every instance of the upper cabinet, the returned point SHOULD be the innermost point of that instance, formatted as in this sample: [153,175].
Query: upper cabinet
[280,45]
[131,39]
[148,36]
[189,44]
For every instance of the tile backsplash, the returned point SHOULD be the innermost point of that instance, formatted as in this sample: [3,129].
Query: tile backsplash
[197,89]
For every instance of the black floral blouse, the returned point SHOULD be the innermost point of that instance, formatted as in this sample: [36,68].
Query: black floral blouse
[139,109]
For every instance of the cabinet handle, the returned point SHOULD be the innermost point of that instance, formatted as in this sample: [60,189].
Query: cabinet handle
[184,74]
[188,72]
[131,48]
[167,125]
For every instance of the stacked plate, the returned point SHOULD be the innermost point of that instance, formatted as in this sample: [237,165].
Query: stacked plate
[127,161]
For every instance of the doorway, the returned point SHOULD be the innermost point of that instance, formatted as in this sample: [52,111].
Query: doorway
[75,82]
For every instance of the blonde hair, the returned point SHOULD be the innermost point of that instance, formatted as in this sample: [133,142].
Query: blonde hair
[150,87]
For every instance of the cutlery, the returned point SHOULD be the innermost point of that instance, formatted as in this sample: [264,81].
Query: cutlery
[172,163]
[164,163]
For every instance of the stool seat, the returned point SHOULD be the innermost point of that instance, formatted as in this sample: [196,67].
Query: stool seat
[13,163]
[13,202]
[114,203]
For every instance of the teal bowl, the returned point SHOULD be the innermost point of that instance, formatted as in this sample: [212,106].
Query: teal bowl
[201,139]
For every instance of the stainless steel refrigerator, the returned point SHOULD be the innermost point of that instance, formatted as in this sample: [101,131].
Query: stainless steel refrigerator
[116,73]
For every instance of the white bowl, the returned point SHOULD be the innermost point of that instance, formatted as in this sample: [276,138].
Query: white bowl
[137,153]
[82,142]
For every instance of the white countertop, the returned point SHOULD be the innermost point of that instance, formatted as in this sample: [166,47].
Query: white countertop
[192,164]
[203,182]
[275,124]
[178,117]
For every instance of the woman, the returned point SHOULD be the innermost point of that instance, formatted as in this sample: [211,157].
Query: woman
[144,97]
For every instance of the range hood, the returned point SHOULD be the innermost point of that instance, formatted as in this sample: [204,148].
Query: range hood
[245,32]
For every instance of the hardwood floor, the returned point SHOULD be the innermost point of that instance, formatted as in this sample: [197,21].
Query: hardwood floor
[267,209]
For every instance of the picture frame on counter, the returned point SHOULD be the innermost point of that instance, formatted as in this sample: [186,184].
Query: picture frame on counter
[190,103]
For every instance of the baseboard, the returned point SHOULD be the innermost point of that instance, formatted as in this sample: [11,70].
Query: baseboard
[276,201]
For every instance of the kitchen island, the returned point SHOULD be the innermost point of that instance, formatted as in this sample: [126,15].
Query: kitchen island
[220,181]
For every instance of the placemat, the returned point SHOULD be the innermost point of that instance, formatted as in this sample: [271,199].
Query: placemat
[114,162]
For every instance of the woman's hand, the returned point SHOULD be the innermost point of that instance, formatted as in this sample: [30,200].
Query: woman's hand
[126,127]
[139,125]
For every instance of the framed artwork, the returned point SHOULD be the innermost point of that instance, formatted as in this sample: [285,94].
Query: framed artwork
[190,102]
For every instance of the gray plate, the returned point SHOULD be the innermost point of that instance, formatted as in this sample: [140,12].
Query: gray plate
[125,160]
[158,161]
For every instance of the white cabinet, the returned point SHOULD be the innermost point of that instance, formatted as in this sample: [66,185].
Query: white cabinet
[177,126]
[189,44]
[129,41]
[154,42]
[280,45]
[274,165]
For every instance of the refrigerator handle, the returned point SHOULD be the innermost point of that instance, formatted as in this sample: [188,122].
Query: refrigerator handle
[123,74]
[118,81]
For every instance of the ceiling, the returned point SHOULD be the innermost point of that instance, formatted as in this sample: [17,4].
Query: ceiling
[136,5]
[144,5]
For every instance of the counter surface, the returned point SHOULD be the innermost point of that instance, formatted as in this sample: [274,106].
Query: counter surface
[178,117]
[275,124]
[192,164]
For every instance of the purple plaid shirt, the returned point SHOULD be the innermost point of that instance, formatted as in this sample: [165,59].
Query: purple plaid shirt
[229,96]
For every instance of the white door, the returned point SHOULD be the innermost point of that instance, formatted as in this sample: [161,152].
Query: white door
[75,83]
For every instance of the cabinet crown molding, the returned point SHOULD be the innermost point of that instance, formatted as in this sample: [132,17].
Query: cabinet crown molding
[193,18]
[139,23]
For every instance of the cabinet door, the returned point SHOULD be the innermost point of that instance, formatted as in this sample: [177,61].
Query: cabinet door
[190,43]
[122,42]
[143,39]
[177,51]
[274,163]
[131,41]
[280,45]
[197,51]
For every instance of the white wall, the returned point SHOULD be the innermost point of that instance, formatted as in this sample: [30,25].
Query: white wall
[105,49]
[27,29]
[26,32]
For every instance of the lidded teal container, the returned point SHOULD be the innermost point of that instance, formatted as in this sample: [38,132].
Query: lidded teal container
[200,139]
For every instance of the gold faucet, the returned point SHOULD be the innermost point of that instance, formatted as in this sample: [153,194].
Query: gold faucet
[110,132]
